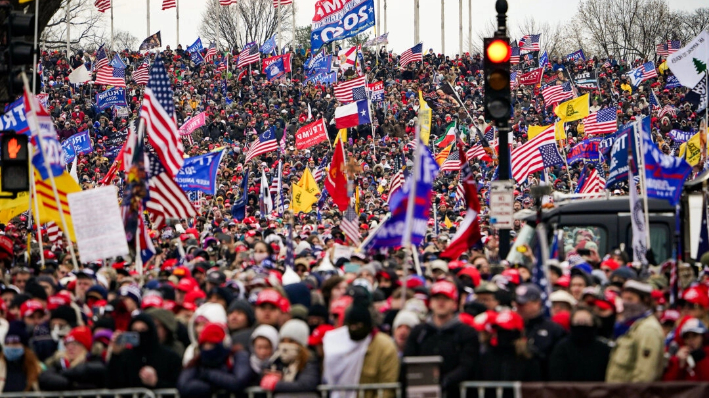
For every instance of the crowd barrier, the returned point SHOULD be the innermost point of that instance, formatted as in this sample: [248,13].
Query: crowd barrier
[498,386]
[324,390]
[103,393]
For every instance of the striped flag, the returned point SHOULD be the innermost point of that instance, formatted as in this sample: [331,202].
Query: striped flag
[111,76]
[103,5]
[158,113]
[654,102]
[642,73]
[276,3]
[443,155]
[514,58]
[248,55]
[452,162]
[460,194]
[168,4]
[266,142]
[211,52]
[167,200]
[593,182]
[320,171]
[141,75]
[529,43]
[53,232]
[227,2]
[413,54]
[350,225]
[666,110]
[527,158]
[352,90]
[101,58]
[555,94]
[477,152]
[604,121]
[397,181]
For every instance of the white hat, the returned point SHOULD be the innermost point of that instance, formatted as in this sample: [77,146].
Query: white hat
[296,330]
[640,287]
[405,317]
[562,296]
[439,264]
[268,332]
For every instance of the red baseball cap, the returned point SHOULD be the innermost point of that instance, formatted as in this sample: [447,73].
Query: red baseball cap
[152,301]
[185,285]
[29,307]
[445,288]
[696,295]
[509,320]
[318,334]
[472,273]
[269,296]
[53,302]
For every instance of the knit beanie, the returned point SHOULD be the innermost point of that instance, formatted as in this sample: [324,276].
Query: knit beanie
[81,335]
[212,333]
[268,332]
[296,330]
[358,314]
[66,313]
[133,292]
[17,333]
[404,317]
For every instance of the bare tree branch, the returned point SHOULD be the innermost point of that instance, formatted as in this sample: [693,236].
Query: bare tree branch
[86,27]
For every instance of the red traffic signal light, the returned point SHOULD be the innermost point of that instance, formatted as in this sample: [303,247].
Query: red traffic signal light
[498,51]
[14,174]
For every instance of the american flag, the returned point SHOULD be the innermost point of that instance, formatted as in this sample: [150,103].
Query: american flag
[513,81]
[248,55]
[666,110]
[604,121]
[665,49]
[460,194]
[654,102]
[527,158]
[111,76]
[211,52]
[168,4]
[227,2]
[266,142]
[158,113]
[452,162]
[142,74]
[514,58]
[476,152]
[103,5]
[351,90]
[550,155]
[282,2]
[167,200]
[529,43]
[642,73]
[397,181]
[52,231]
[555,94]
[350,225]
[320,171]
[101,58]
[593,183]
[413,54]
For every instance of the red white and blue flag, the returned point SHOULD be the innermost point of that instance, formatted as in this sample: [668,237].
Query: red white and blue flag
[413,54]
[604,121]
[529,43]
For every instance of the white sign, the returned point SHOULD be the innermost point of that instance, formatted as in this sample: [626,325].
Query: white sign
[97,224]
[341,251]
[502,200]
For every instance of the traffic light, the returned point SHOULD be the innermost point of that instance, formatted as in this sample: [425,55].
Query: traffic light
[15,173]
[17,53]
[497,79]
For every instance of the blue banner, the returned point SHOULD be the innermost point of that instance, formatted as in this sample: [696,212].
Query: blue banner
[68,151]
[681,136]
[82,143]
[327,78]
[14,118]
[319,65]
[199,173]
[664,174]
[341,20]
[606,143]
[47,158]
[269,46]
[115,96]
[391,232]
[275,69]
[672,82]
[543,60]
[195,49]
[618,170]
[576,55]
[586,150]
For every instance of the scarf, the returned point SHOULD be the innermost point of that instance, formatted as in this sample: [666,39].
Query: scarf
[622,328]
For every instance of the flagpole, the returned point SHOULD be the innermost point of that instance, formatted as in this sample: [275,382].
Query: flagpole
[443,31]
[460,28]
[34,54]
[177,20]
[111,24]
[33,194]
[148,16]
[293,16]
[640,161]
[68,27]
[278,27]
[470,27]
[416,20]
[219,22]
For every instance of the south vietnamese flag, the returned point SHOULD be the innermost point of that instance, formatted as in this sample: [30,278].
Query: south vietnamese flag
[352,115]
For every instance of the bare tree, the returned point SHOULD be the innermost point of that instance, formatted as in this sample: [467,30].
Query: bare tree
[123,39]
[691,24]
[247,21]
[86,27]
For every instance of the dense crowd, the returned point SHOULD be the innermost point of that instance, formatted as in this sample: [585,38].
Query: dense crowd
[217,310]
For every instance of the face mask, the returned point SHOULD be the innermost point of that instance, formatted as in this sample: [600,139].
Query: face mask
[13,353]
[359,334]
[288,352]
[258,257]
[633,310]
[583,334]
[213,358]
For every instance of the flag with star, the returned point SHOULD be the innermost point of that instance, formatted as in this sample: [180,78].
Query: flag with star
[550,155]
[539,278]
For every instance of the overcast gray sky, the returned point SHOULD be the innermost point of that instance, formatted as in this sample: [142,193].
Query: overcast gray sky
[400,16]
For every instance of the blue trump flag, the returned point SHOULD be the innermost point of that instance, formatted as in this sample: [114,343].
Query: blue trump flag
[339,21]
[199,173]
[238,210]
[275,69]
[115,96]
[327,78]
[269,46]
[576,55]
[391,233]
[195,51]
[586,150]
[543,60]
[664,174]
[618,170]
[14,118]
[82,143]
[68,151]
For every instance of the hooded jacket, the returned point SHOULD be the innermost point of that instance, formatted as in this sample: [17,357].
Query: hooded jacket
[124,368]
[168,320]
[214,313]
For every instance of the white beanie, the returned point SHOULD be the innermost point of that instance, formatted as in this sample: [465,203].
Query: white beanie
[268,332]
[296,330]
[405,317]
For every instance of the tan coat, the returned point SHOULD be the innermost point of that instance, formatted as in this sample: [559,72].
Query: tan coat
[381,364]
[639,354]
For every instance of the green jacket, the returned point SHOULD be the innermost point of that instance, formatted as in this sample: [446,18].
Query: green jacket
[381,364]
[639,354]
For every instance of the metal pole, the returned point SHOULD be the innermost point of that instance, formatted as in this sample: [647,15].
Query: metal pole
[293,17]
[470,27]
[504,131]
[111,26]
[278,26]
[443,31]
[177,20]
[219,23]
[34,58]
[460,28]
[385,16]
[416,22]
[148,16]
[377,15]
[68,27]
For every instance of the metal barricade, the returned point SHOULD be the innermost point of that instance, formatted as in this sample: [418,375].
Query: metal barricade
[499,387]
[361,388]
[166,393]
[102,393]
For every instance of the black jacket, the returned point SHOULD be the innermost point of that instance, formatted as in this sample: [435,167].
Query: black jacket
[456,342]
[543,334]
[88,375]
[506,365]
[201,381]
[123,368]
[574,361]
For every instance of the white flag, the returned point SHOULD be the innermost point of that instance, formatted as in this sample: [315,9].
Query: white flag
[79,75]
[689,63]
[266,194]
[637,216]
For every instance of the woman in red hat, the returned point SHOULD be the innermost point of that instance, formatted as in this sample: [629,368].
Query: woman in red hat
[74,368]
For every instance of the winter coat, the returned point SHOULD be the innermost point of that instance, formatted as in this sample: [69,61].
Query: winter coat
[381,364]
[123,368]
[214,313]
[456,342]
[201,381]
[306,380]
[638,354]
[700,371]
[571,361]
[499,364]
[89,374]
[543,334]
[13,378]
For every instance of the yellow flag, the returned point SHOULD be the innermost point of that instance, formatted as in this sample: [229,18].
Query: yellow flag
[342,133]
[424,119]
[559,132]
[302,200]
[443,155]
[11,208]
[534,131]
[24,1]
[574,109]
[663,67]
[692,149]
[448,222]
[308,183]
[48,210]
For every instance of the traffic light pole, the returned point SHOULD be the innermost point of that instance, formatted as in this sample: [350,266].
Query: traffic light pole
[503,129]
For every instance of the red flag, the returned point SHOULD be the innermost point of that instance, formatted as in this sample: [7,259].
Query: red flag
[469,230]
[336,180]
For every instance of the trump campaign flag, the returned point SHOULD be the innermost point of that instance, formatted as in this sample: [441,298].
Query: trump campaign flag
[586,150]
[14,118]
[193,124]
[352,115]
[275,70]
[337,20]
[311,134]
[664,174]
[115,96]
[199,173]
[47,157]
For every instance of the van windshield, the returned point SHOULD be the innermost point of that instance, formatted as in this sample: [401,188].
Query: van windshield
[570,237]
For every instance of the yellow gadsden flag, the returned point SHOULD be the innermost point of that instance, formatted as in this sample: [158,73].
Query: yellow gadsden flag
[424,119]
[692,149]
[48,210]
[308,183]
[574,109]
[448,222]
[302,200]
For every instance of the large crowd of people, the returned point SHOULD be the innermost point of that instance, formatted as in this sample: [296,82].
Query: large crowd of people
[217,309]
